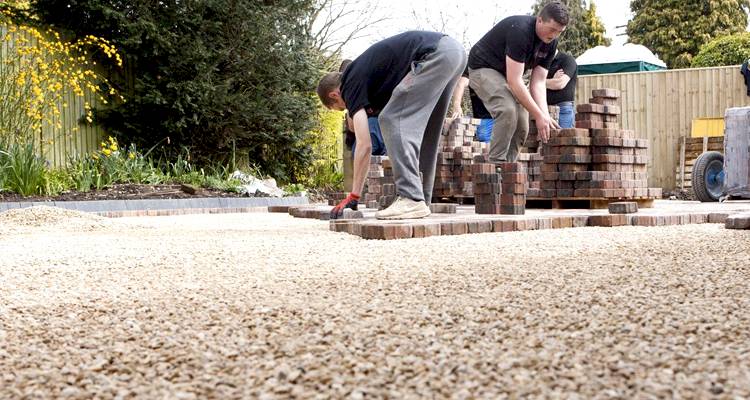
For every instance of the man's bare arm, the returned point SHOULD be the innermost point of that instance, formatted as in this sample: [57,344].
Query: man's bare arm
[362,152]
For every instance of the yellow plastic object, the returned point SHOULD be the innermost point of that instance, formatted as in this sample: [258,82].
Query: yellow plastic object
[707,127]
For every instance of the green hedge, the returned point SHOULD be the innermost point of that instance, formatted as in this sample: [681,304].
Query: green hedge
[725,50]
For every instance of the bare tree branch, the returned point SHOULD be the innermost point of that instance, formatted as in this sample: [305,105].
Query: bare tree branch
[335,23]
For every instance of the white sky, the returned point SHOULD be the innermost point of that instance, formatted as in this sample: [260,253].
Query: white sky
[468,20]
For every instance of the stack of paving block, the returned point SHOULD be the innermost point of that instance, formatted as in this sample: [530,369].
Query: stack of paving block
[379,181]
[374,184]
[487,188]
[514,179]
[603,110]
[567,153]
[531,145]
[532,163]
[596,159]
[388,186]
[618,166]
[458,147]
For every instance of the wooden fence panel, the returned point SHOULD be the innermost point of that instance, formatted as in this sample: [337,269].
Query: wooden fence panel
[661,105]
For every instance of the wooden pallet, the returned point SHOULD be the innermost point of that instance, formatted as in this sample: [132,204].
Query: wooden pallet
[460,200]
[583,202]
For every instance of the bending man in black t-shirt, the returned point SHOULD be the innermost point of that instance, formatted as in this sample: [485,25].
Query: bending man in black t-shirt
[497,64]
[408,79]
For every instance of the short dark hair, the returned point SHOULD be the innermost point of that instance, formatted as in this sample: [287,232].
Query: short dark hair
[330,82]
[344,64]
[557,11]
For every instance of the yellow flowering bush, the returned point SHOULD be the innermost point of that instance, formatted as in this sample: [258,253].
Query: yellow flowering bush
[38,70]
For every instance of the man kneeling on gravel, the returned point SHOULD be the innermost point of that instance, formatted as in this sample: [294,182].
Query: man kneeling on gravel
[408,79]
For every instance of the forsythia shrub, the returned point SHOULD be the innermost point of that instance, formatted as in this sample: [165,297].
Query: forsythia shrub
[38,70]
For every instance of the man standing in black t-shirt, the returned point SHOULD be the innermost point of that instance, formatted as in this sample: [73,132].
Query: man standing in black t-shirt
[561,87]
[407,80]
[497,64]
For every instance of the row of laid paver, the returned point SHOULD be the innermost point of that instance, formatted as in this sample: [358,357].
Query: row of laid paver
[387,230]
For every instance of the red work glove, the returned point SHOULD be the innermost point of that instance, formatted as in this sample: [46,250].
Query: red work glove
[351,201]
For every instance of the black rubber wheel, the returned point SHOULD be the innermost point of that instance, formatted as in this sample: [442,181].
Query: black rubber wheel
[708,176]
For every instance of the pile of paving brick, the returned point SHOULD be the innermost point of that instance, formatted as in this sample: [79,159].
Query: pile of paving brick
[380,190]
[499,188]
[487,188]
[458,147]
[596,159]
[531,157]
[532,143]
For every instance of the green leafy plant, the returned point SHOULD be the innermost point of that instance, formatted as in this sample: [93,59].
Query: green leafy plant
[57,181]
[726,50]
[294,189]
[676,32]
[218,183]
[24,170]
[84,172]
[4,160]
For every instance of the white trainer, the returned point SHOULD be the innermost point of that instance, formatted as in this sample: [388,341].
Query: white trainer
[403,208]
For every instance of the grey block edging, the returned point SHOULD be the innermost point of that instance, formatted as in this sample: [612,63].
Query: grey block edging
[96,206]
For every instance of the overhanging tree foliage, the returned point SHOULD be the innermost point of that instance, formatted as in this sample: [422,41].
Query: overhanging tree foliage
[211,75]
[675,30]
[585,29]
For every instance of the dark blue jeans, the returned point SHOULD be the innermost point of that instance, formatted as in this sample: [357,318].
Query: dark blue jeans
[378,145]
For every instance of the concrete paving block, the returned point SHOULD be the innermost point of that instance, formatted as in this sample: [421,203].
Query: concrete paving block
[355,228]
[136,205]
[717,218]
[610,220]
[443,208]
[580,221]
[116,205]
[738,221]
[544,223]
[698,218]
[386,231]
[9,205]
[623,207]
[340,225]
[508,225]
[426,229]
[479,226]
[532,224]
[42,203]
[644,220]
[221,202]
[351,214]
[453,228]
[497,225]
[685,219]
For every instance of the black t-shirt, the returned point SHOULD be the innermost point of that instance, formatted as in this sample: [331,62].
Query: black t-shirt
[567,63]
[516,38]
[370,79]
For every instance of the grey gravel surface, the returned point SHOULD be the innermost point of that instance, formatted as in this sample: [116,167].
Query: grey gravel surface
[267,306]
